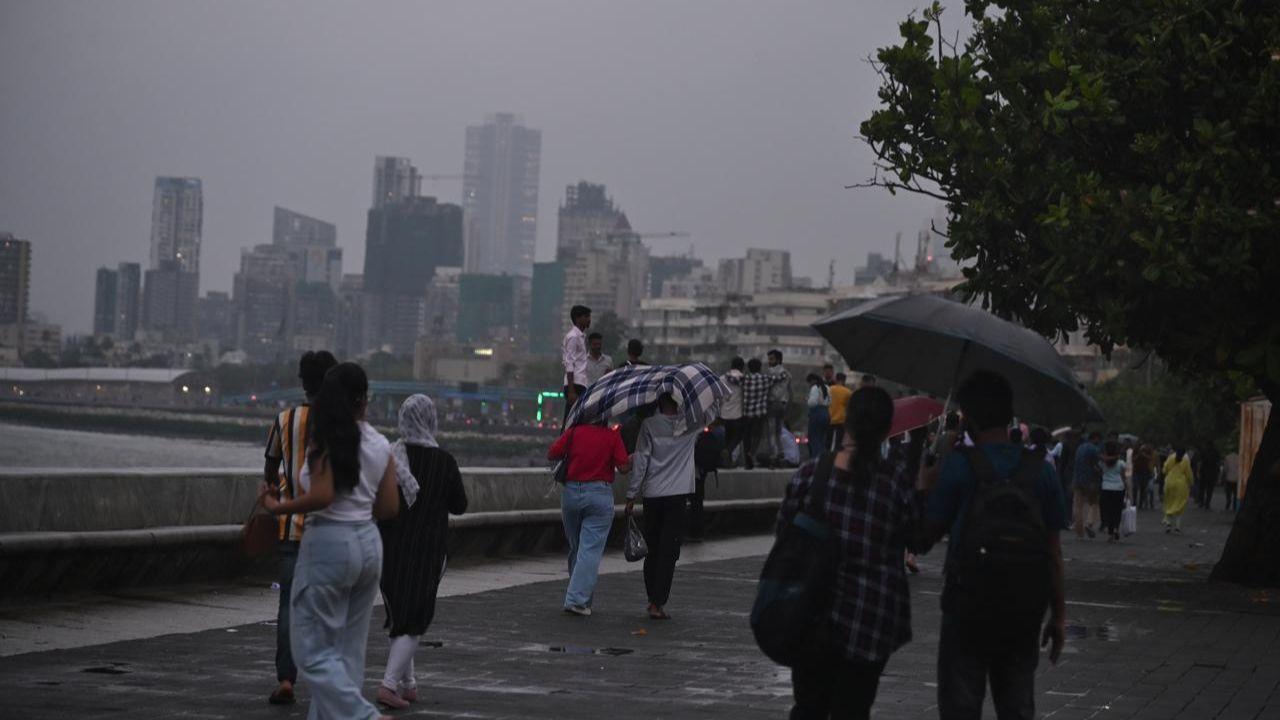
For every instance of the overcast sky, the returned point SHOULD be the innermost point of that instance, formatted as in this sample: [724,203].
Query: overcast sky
[735,121]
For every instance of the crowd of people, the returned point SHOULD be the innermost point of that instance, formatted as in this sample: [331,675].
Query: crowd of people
[358,516]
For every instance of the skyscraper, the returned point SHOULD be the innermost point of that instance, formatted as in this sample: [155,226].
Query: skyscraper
[394,179]
[319,259]
[128,300]
[15,279]
[105,296]
[500,196]
[606,267]
[177,221]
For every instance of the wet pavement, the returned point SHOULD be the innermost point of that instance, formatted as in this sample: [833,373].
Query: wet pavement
[1148,638]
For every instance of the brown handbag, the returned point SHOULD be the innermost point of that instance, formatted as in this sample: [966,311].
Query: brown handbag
[258,536]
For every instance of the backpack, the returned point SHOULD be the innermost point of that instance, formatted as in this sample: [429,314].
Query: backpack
[1001,565]
[790,618]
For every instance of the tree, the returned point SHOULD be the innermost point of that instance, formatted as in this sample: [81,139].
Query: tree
[1170,409]
[613,330]
[1111,167]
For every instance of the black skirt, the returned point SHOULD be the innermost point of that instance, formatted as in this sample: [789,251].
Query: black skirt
[414,543]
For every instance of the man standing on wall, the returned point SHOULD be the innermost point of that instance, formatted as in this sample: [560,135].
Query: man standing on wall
[573,355]
[779,398]
[286,455]
[598,364]
[840,394]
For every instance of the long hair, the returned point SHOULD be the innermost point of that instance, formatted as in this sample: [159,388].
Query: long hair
[867,421]
[335,432]
[1111,453]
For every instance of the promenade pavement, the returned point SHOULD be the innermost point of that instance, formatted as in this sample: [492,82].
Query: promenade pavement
[1149,638]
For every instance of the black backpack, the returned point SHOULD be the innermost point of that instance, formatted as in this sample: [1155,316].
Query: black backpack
[790,618]
[1001,566]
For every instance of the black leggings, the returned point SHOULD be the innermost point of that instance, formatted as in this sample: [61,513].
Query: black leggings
[1112,504]
[835,689]
[664,523]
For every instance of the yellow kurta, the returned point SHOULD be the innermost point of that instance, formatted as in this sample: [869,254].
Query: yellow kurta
[1177,484]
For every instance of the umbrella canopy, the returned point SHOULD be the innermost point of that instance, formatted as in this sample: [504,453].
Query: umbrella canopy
[930,343]
[913,412]
[695,388]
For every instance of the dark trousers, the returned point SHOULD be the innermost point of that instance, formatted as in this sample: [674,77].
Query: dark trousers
[1111,504]
[1206,493]
[286,560]
[1230,490]
[734,433]
[664,522]
[753,430]
[837,438]
[837,689]
[819,421]
[969,654]
[1140,483]
[697,515]
[579,389]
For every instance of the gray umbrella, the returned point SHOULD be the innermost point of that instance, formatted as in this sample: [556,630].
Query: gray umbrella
[930,343]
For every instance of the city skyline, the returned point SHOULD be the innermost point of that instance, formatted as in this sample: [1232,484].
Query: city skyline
[743,139]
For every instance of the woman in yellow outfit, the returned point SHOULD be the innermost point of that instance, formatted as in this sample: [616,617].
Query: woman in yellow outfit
[1177,486]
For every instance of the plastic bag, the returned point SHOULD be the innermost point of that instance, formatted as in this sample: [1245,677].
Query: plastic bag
[634,547]
[1129,520]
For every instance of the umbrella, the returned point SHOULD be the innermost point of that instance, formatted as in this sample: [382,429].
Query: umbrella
[931,343]
[695,388]
[913,412]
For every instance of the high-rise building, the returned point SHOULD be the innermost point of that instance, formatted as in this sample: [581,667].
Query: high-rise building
[759,271]
[443,300]
[404,244]
[546,326]
[105,297]
[587,214]
[488,308]
[177,220]
[169,300]
[500,196]
[319,257]
[128,300]
[263,290]
[215,318]
[394,179]
[15,279]
[606,267]
[670,267]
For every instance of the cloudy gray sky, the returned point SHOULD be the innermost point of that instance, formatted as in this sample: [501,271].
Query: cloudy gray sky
[732,120]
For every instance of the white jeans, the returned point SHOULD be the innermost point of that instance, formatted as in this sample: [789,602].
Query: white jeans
[400,663]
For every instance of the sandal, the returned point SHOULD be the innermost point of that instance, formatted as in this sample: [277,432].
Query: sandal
[657,613]
[282,696]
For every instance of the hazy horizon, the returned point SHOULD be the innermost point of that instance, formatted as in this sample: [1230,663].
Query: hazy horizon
[736,123]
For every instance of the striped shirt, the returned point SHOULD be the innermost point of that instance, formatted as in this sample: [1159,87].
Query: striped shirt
[287,443]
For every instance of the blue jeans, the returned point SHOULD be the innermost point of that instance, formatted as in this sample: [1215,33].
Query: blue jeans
[819,421]
[587,510]
[334,585]
[286,561]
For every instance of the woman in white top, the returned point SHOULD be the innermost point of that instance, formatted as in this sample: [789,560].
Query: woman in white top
[349,479]
[819,415]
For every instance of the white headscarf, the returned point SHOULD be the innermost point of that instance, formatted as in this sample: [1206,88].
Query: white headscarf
[417,427]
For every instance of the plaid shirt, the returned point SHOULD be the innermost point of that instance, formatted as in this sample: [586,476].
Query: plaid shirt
[874,523]
[755,394]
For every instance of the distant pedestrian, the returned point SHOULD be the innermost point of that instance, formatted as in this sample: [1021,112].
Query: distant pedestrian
[598,364]
[1114,489]
[779,399]
[1144,463]
[573,356]
[872,506]
[286,456]
[349,479]
[1178,480]
[1231,479]
[731,416]
[415,543]
[839,402]
[663,479]
[1086,484]
[635,353]
[755,410]
[594,453]
[1002,507]
[818,402]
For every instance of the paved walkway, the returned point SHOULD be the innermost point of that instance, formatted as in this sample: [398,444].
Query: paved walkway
[1149,638]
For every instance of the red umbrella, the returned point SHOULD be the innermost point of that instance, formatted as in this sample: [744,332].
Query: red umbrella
[912,412]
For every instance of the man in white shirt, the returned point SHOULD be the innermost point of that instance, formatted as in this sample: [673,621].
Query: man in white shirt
[598,364]
[573,355]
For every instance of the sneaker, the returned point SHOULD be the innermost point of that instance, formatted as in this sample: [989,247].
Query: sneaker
[389,699]
[580,610]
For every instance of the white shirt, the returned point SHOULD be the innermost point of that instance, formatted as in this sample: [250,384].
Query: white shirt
[731,408]
[357,505]
[817,398]
[597,369]
[573,355]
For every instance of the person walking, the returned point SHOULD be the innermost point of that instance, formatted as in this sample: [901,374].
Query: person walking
[285,457]
[1002,507]
[1178,480]
[840,394]
[1144,462]
[349,479]
[818,402]
[415,543]
[731,411]
[1086,484]
[1231,480]
[594,454]
[779,399]
[1114,489]
[573,356]
[663,478]
[755,410]
[598,364]
[873,508]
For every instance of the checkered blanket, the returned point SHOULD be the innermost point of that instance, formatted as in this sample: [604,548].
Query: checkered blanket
[695,388]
